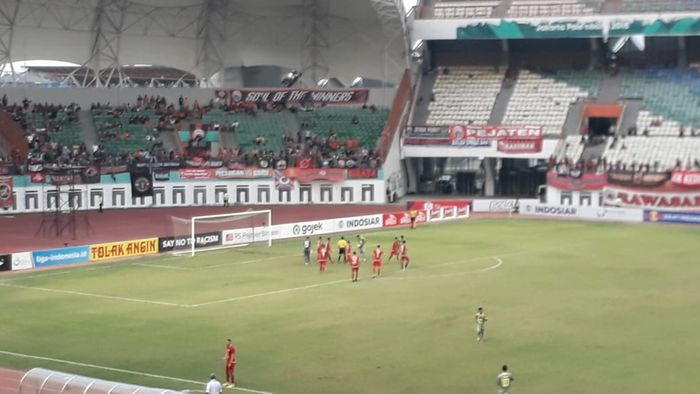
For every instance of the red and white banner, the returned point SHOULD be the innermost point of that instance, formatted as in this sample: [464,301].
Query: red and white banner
[437,204]
[517,146]
[585,181]
[308,175]
[37,177]
[648,199]
[396,219]
[498,132]
[686,178]
[225,173]
[6,197]
[362,173]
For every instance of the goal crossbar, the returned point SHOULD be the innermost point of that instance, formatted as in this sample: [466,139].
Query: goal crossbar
[244,214]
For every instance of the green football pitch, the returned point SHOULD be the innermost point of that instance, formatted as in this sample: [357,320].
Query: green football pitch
[573,308]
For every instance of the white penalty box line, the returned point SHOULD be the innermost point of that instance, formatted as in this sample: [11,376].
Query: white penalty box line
[119,370]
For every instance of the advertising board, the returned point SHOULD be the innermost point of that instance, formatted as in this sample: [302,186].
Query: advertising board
[52,257]
[115,250]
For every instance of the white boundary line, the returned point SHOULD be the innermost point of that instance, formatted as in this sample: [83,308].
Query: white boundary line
[267,293]
[126,371]
[107,297]
[169,267]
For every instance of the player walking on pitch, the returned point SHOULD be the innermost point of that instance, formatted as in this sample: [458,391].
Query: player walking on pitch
[394,249]
[361,241]
[322,257]
[504,380]
[403,250]
[307,250]
[377,261]
[355,266]
[481,320]
[230,358]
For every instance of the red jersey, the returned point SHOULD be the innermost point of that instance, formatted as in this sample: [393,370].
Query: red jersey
[404,250]
[230,354]
[322,255]
[354,261]
[395,247]
[348,249]
[377,255]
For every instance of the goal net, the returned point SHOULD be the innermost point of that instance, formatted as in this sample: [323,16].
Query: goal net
[213,232]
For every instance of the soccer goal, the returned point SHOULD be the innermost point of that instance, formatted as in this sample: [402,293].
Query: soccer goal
[222,231]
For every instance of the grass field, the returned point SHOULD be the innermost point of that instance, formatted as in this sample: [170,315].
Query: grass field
[573,308]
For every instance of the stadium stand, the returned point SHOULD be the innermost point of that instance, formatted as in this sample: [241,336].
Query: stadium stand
[638,6]
[464,95]
[530,8]
[540,100]
[364,125]
[670,97]
[570,150]
[653,153]
[122,131]
[471,9]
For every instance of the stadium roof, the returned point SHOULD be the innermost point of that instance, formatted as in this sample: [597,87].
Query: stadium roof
[336,38]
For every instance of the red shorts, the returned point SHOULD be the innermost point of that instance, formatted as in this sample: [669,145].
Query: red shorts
[404,257]
[355,269]
[377,264]
[322,263]
[394,252]
[230,367]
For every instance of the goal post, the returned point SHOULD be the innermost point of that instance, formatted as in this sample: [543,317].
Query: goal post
[221,231]
[253,226]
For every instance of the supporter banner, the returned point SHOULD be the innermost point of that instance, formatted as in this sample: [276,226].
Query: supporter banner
[106,170]
[442,141]
[686,178]
[583,181]
[161,175]
[6,197]
[225,173]
[403,218]
[362,173]
[649,199]
[637,178]
[613,26]
[295,96]
[199,162]
[517,146]
[51,257]
[436,204]
[37,177]
[166,164]
[141,182]
[5,169]
[117,250]
[204,240]
[308,175]
[282,182]
[5,262]
[672,217]
[90,174]
[22,261]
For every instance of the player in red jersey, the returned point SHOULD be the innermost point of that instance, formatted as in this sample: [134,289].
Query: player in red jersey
[355,266]
[328,250]
[377,261]
[403,250]
[394,249]
[322,256]
[319,247]
[348,252]
[230,358]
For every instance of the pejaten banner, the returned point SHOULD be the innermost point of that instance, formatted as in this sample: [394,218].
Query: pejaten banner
[598,26]
[183,242]
[437,204]
[362,173]
[645,198]
[584,181]
[516,146]
[295,96]
[6,197]
[509,139]
[672,217]
[115,250]
[686,178]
